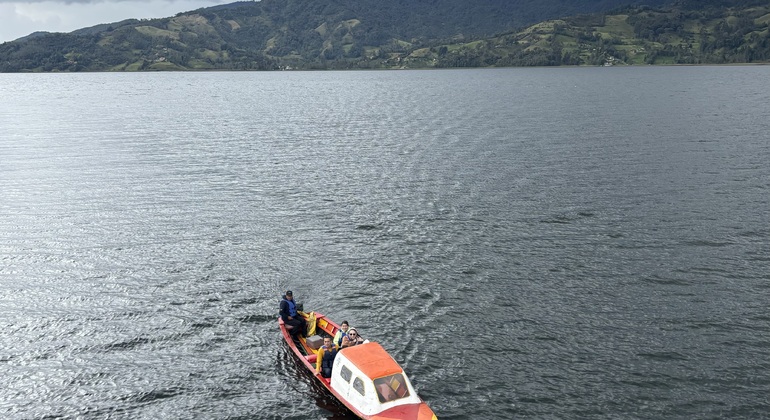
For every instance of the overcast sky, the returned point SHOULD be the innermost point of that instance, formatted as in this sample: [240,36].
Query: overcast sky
[20,18]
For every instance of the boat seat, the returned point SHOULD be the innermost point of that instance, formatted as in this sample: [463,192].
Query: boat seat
[311,358]
[385,393]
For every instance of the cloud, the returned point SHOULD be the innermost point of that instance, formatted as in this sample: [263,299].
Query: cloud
[21,18]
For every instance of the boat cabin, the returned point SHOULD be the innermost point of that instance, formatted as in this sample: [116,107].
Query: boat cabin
[369,379]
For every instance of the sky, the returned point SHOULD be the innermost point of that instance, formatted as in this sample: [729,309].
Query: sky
[20,18]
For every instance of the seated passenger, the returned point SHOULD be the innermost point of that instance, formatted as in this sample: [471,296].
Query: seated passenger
[325,359]
[343,332]
[352,339]
[288,311]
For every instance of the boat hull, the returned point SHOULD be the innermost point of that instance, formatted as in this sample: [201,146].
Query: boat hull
[307,357]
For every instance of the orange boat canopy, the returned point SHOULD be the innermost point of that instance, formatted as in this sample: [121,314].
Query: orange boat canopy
[372,360]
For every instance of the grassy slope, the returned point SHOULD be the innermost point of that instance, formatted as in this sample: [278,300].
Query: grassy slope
[668,36]
[229,39]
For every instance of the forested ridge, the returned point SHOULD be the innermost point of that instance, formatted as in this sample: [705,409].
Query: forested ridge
[361,34]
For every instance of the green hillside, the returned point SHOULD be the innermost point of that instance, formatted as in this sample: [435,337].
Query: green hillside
[633,36]
[366,34]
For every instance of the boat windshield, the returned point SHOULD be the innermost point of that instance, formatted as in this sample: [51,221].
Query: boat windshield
[390,388]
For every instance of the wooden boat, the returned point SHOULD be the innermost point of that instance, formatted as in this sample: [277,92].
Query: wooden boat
[365,378]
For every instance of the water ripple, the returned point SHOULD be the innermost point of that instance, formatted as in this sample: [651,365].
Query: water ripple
[524,241]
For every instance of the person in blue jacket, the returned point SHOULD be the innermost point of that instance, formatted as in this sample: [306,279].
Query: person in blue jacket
[288,311]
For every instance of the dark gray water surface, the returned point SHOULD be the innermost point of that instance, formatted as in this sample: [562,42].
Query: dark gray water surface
[529,243]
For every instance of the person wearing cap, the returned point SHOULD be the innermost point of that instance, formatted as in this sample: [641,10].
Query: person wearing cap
[288,311]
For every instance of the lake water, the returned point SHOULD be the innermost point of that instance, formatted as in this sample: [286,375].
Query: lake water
[529,243]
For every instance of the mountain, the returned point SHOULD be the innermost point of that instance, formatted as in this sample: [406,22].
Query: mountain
[689,32]
[322,34]
[283,33]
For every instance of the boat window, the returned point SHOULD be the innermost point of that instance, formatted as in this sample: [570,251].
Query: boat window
[346,373]
[358,385]
[391,387]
